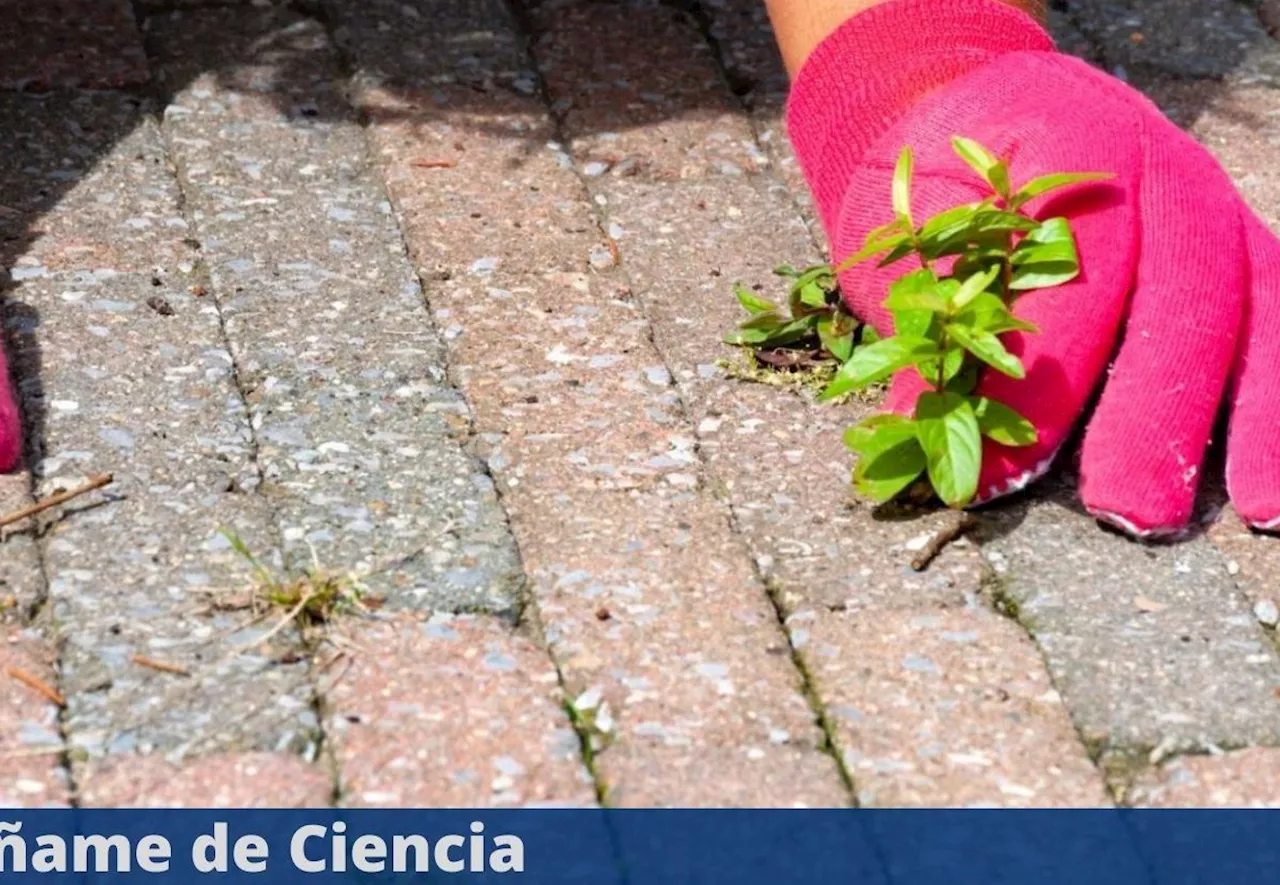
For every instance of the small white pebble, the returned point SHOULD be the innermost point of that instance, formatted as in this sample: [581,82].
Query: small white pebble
[1266,612]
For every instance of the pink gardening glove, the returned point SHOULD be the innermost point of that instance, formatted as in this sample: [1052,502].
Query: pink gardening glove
[10,427]
[1167,247]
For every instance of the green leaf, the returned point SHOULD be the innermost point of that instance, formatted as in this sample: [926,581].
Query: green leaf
[998,176]
[771,330]
[1045,183]
[988,313]
[902,186]
[917,290]
[952,363]
[890,457]
[1047,257]
[893,227]
[966,380]
[868,336]
[948,433]
[946,225]
[1000,221]
[973,287]
[875,362]
[988,227]
[899,252]
[922,323]
[878,432]
[752,302]
[836,332]
[1002,424]
[883,476]
[806,298]
[982,161]
[785,270]
[875,247]
[987,347]
[821,274]
[979,158]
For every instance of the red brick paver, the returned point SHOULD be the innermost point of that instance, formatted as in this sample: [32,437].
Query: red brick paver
[451,712]
[31,772]
[244,780]
[59,43]
[951,708]
[1242,778]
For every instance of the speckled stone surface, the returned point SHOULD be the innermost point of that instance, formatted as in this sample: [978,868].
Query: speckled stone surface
[151,399]
[946,708]
[244,780]
[645,98]
[217,305]
[85,185]
[359,431]
[650,603]
[1192,39]
[453,712]
[1152,646]
[21,583]
[776,456]
[31,771]
[1247,778]
[111,383]
[77,43]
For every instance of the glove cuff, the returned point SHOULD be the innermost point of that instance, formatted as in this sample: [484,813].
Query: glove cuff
[867,73]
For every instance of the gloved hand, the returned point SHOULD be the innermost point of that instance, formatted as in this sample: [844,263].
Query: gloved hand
[10,427]
[1174,266]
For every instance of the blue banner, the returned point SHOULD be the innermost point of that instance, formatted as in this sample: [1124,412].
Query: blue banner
[642,847]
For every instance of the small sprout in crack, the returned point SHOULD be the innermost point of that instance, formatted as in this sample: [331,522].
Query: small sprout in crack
[801,343]
[310,597]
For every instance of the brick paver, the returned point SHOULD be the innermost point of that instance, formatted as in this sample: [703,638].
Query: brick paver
[146,392]
[1153,646]
[76,43]
[240,780]
[31,746]
[452,712]
[952,708]
[1240,779]
[356,426]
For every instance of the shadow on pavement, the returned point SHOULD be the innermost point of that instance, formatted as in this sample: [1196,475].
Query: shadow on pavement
[52,135]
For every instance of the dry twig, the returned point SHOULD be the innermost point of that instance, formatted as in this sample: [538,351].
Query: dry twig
[959,524]
[36,683]
[94,482]
[162,666]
